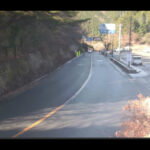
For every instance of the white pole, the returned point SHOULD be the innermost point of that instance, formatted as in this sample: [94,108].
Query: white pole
[119,35]
[119,41]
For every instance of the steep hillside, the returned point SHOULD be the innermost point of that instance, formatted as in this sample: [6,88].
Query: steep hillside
[33,43]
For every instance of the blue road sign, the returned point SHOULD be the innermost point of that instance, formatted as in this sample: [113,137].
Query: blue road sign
[89,39]
[107,28]
[97,38]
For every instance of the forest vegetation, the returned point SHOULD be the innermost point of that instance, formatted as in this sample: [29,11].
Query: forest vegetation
[33,43]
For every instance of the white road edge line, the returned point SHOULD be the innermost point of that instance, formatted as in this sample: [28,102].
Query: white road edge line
[57,108]
[69,61]
[83,85]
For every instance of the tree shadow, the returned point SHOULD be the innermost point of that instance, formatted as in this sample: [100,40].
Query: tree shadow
[73,120]
[74,132]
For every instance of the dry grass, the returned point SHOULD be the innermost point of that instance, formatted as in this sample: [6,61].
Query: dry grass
[137,113]
[139,47]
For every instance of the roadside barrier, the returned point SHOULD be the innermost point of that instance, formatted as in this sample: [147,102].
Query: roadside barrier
[123,66]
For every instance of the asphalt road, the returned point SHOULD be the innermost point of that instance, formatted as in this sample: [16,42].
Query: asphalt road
[145,60]
[81,99]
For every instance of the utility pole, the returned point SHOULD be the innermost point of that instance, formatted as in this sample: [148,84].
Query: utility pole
[119,36]
[119,41]
[92,30]
[130,51]
[112,44]
[130,32]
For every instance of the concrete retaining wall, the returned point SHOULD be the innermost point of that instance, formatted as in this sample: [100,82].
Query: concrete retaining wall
[123,66]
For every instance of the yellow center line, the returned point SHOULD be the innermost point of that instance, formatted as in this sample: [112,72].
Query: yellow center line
[56,109]
[39,121]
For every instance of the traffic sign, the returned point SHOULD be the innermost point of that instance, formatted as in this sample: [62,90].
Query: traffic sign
[89,39]
[97,38]
[107,28]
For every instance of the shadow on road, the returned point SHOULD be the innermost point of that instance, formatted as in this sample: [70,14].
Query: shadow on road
[73,120]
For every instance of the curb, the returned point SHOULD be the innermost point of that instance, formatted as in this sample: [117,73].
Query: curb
[123,66]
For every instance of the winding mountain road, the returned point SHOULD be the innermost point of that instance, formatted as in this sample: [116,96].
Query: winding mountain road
[81,99]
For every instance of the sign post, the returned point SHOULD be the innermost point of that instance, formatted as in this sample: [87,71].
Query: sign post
[107,29]
[119,39]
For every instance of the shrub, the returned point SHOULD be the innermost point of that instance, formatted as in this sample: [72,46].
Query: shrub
[147,38]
